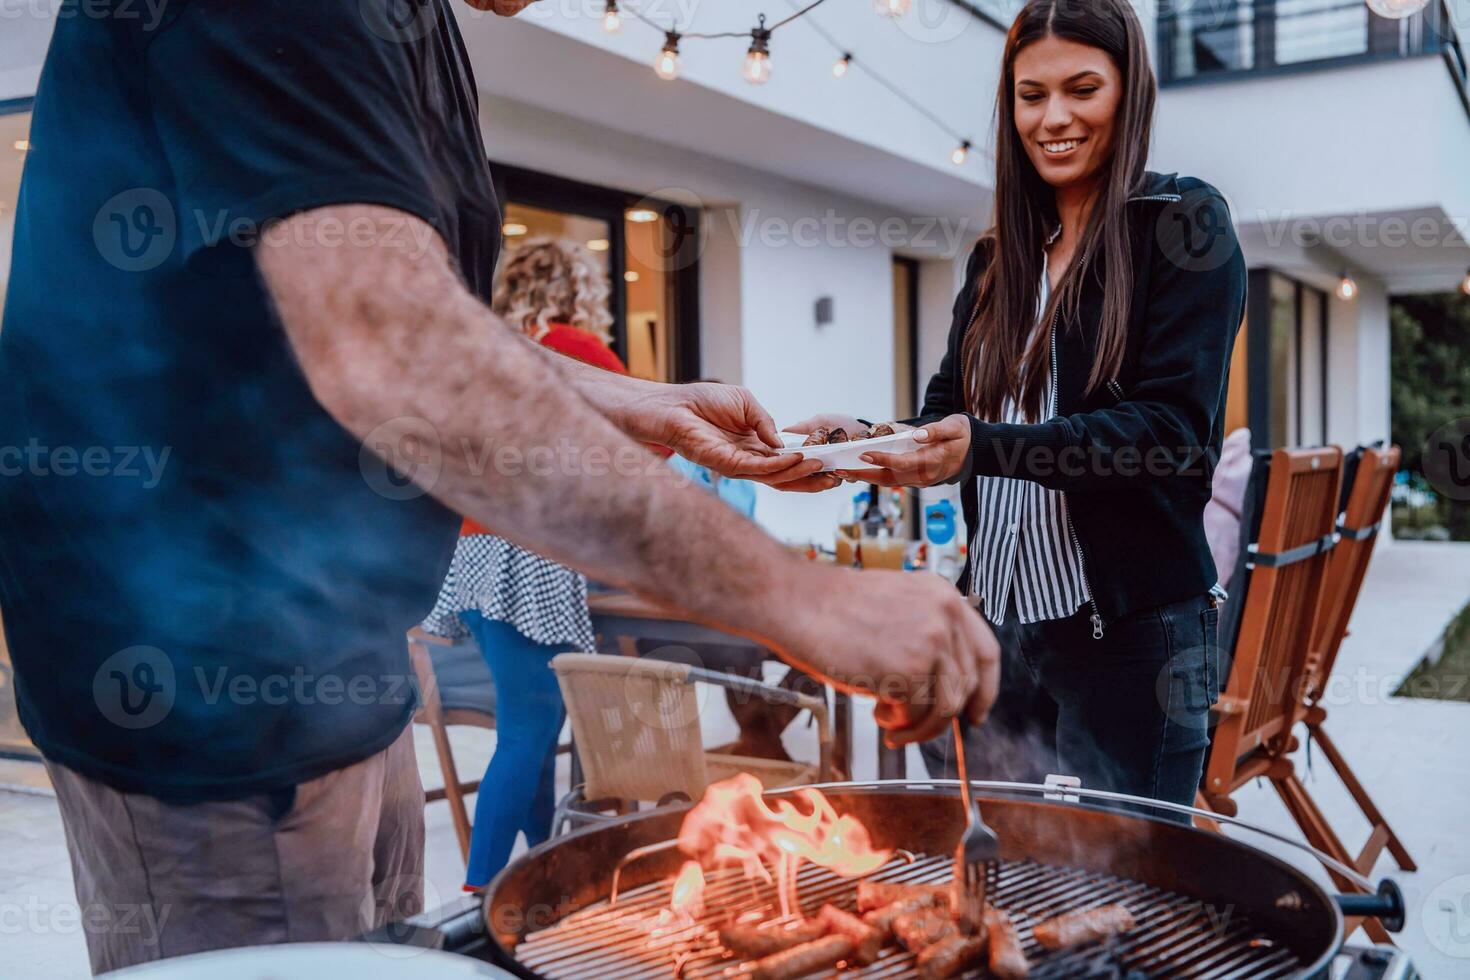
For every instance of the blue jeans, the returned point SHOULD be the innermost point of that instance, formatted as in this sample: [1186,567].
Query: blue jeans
[1128,713]
[518,793]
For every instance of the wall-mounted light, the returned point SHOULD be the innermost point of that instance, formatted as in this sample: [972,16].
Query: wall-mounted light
[611,21]
[666,66]
[824,311]
[840,66]
[1347,287]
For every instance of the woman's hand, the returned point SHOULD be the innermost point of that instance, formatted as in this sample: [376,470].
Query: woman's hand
[943,449]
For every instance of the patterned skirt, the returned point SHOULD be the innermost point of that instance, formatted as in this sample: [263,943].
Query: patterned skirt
[544,601]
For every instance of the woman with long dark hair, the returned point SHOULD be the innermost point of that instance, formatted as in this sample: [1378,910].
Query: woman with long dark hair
[1080,404]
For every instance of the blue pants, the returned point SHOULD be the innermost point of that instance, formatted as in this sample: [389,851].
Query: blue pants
[517,794]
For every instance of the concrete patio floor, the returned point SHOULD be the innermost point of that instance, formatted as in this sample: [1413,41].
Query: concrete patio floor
[1410,753]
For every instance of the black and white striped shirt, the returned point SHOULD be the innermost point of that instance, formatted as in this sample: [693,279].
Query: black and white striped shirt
[1024,540]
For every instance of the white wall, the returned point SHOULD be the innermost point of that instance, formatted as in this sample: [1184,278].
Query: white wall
[1358,399]
[774,247]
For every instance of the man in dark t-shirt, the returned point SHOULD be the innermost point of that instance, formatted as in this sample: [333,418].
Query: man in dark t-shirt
[248,383]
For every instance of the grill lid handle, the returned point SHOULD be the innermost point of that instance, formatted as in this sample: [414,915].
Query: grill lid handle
[1387,906]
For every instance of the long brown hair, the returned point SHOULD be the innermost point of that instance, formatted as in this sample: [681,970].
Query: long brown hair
[1025,211]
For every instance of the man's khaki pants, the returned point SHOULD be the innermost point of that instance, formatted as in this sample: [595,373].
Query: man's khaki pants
[328,859]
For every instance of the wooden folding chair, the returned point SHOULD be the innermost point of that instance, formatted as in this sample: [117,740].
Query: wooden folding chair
[1372,483]
[458,691]
[1262,702]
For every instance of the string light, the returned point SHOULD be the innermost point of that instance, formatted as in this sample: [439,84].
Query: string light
[667,65]
[1347,288]
[893,8]
[611,22]
[839,68]
[757,69]
[960,153]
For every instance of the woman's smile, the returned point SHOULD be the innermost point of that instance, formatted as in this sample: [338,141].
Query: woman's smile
[1060,148]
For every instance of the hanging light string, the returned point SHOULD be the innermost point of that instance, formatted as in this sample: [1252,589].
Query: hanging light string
[758,66]
[963,144]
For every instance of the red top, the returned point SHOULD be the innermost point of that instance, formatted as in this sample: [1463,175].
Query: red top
[585,347]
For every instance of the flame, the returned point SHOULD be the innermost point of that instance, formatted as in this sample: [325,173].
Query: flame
[734,824]
[689,890]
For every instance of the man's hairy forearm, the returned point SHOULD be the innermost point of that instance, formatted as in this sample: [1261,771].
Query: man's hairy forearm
[383,336]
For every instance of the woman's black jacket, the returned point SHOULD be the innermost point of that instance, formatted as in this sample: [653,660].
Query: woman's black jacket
[1136,456]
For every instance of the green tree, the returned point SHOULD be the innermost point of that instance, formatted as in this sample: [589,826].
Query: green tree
[1430,381]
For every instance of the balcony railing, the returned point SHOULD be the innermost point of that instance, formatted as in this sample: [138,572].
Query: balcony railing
[1207,40]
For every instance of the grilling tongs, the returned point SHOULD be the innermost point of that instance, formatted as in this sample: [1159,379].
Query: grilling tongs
[978,848]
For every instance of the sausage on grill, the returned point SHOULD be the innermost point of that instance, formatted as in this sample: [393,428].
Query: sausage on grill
[866,940]
[798,961]
[1007,958]
[1083,926]
[915,930]
[882,919]
[950,956]
[751,943]
[876,894]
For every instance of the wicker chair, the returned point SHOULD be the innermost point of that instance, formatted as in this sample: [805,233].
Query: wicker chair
[1367,500]
[636,728]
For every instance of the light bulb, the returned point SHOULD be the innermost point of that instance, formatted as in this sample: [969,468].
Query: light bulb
[667,65]
[891,8]
[1397,9]
[1346,287]
[839,68]
[757,70]
[611,22]
[960,153]
[1465,286]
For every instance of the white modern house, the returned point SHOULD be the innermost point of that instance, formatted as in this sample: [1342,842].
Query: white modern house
[804,236]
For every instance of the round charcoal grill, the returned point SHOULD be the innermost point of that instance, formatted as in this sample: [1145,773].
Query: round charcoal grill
[1206,905]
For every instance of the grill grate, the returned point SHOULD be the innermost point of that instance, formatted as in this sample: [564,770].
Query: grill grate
[1176,936]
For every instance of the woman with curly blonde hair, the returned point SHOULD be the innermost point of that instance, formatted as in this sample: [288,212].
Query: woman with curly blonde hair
[521,608]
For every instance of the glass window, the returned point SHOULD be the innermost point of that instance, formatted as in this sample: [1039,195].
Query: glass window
[1311,30]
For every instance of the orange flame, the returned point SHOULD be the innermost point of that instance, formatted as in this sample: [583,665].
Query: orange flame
[688,895]
[733,823]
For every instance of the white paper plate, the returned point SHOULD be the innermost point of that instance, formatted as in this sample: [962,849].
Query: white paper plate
[844,455]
